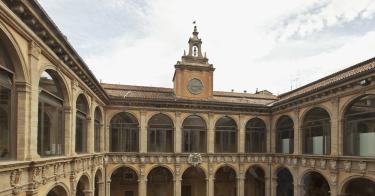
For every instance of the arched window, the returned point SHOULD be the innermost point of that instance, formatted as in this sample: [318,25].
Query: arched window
[81,124]
[7,134]
[316,130]
[194,132]
[97,128]
[359,127]
[255,139]
[160,134]
[50,115]
[124,133]
[285,135]
[225,135]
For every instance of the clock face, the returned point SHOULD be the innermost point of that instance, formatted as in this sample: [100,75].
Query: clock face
[195,86]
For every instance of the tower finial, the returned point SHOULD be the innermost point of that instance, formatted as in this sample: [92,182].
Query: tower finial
[195,32]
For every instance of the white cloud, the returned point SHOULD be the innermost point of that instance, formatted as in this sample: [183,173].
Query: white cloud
[253,44]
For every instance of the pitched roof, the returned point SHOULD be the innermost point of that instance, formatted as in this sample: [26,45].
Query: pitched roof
[354,71]
[160,93]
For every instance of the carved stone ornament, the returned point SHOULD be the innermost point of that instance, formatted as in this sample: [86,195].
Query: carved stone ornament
[362,166]
[347,166]
[15,177]
[195,159]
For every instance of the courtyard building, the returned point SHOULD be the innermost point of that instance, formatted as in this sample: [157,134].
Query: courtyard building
[63,133]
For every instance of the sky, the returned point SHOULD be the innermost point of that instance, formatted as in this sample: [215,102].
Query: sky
[253,44]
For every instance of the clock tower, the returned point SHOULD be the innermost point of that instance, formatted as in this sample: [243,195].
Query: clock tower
[193,76]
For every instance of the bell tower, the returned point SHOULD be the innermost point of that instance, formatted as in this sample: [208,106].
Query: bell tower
[193,76]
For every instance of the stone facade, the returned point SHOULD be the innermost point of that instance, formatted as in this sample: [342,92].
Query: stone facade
[36,45]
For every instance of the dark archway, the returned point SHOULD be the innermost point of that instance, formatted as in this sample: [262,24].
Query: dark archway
[57,191]
[193,182]
[98,184]
[225,182]
[82,111]
[255,182]
[316,132]
[255,136]
[124,181]
[124,133]
[360,187]
[194,134]
[314,184]
[359,131]
[285,186]
[160,182]
[83,186]
[285,135]
[160,134]
[225,135]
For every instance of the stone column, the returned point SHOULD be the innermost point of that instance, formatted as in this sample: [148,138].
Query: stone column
[241,135]
[273,186]
[335,127]
[90,135]
[210,134]
[297,134]
[68,131]
[177,186]
[268,135]
[27,108]
[240,185]
[177,134]
[26,130]
[142,186]
[108,187]
[101,187]
[143,133]
[210,185]
[88,192]
[267,186]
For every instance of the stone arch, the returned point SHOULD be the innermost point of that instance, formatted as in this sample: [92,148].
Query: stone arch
[344,184]
[255,184]
[256,133]
[161,165]
[316,139]
[284,181]
[319,188]
[20,68]
[161,133]
[110,173]
[150,115]
[188,115]
[193,181]
[62,190]
[99,180]
[124,180]
[160,181]
[110,115]
[218,117]
[225,181]
[83,184]
[198,166]
[310,108]
[226,165]
[203,116]
[64,85]
[264,168]
[284,134]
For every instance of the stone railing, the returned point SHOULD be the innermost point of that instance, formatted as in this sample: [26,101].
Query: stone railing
[26,176]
